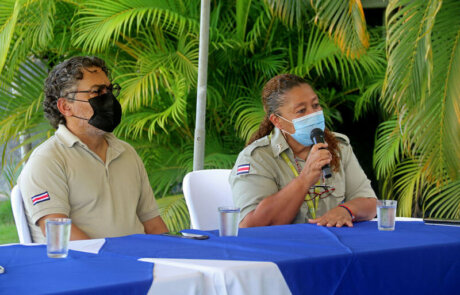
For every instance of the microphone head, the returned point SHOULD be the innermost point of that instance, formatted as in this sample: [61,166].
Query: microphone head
[315,133]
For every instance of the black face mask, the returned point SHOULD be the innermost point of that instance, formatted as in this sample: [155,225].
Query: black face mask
[107,112]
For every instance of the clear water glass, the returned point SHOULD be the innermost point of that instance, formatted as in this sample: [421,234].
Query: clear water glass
[57,237]
[228,221]
[386,214]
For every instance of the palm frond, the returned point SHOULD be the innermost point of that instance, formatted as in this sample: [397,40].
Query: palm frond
[290,12]
[343,21]
[247,112]
[174,212]
[369,98]
[408,185]
[20,101]
[268,63]
[9,12]
[151,119]
[242,14]
[410,25]
[319,56]
[443,202]
[102,21]
[387,151]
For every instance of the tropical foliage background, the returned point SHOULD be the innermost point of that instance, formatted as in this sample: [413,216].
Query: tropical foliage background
[406,71]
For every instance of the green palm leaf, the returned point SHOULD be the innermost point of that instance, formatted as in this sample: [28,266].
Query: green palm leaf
[9,12]
[319,56]
[387,150]
[152,119]
[408,186]
[410,24]
[343,20]
[440,203]
[20,103]
[247,112]
[101,21]
[174,212]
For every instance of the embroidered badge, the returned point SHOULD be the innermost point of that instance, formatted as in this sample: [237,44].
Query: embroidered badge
[243,169]
[40,198]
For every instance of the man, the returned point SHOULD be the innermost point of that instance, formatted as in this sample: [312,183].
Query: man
[84,172]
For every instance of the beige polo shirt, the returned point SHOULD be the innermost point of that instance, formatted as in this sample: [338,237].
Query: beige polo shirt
[103,199]
[260,171]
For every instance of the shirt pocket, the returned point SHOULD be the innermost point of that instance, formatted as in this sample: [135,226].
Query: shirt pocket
[338,194]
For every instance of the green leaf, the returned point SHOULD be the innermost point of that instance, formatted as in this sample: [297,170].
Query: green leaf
[174,212]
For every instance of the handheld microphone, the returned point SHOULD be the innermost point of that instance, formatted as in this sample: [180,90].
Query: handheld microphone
[317,136]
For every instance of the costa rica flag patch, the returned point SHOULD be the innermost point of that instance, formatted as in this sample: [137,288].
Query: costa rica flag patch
[243,169]
[40,198]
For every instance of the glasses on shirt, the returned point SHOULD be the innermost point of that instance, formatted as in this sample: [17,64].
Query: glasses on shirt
[319,191]
[113,88]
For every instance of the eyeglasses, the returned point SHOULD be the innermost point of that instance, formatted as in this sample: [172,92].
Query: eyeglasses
[113,88]
[319,191]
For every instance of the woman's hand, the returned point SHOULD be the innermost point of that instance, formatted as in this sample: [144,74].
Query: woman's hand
[337,216]
[318,157]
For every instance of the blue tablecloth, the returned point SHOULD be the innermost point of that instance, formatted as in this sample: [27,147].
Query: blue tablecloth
[28,270]
[414,259]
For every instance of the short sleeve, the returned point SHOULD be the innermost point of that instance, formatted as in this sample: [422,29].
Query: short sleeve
[44,188]
[251,182]
[147,207]
[356,182]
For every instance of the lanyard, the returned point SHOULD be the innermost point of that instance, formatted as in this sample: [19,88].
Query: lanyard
[311,206]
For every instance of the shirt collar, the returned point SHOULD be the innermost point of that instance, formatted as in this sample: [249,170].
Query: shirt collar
[66,137]
[278,142]
[69,139]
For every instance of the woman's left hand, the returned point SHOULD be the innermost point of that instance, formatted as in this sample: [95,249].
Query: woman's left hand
[337,216]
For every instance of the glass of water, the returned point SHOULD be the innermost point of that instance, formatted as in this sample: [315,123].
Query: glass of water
[386,214]
[57,237]
[228,221]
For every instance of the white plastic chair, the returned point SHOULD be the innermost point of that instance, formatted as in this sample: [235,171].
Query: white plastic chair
[204,192]
[20,216]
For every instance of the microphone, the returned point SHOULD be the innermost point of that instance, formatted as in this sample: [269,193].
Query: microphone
[317,136]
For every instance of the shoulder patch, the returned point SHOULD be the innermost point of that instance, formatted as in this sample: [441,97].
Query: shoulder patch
[40,198]
[243,169]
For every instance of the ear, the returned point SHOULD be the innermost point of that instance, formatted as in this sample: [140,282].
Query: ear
[275,120]
[65,107]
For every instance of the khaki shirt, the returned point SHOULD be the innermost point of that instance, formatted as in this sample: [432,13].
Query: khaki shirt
[103,199]
[268,173]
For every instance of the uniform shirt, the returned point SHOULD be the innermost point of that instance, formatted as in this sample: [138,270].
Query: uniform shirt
[103,199]
[260,171]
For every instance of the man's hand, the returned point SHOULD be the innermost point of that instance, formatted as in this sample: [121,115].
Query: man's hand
[337,216]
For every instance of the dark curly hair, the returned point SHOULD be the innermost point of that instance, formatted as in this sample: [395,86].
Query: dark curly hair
[273,98]
[62,79]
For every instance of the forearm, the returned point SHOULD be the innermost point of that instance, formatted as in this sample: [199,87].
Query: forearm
[363,208]
[279,208]
[155,225]
[75,232]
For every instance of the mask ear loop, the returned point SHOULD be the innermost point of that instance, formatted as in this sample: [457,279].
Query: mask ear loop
[80,118]
[284,131]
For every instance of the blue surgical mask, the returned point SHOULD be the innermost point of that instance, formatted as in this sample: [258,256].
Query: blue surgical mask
[304,125]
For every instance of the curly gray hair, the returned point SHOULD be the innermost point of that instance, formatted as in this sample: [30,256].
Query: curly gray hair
[62,79]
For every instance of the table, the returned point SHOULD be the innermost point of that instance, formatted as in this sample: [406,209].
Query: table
[299,259]
[218,276]
[30,271]
[414,259]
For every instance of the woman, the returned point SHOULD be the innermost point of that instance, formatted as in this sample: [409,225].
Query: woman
[277,178]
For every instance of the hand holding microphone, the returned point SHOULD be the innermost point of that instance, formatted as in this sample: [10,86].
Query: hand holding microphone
[317,136]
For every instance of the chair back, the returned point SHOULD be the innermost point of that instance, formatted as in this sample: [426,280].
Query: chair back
[19,214]
[204,192]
